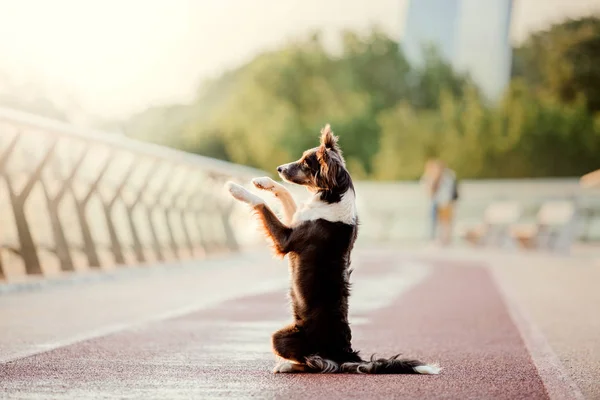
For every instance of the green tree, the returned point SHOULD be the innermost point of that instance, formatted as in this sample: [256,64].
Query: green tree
[563,61]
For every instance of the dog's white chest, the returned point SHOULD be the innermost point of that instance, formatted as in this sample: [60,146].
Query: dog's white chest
[342,211]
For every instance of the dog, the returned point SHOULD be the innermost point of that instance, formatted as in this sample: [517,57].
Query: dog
[318,238]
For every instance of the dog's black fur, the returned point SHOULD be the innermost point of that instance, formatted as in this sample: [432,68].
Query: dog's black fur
[319,339]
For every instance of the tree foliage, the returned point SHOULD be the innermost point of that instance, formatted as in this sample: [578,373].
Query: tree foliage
[563,61]
[391,116]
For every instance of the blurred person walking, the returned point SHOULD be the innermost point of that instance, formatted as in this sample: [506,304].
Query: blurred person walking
[442,188]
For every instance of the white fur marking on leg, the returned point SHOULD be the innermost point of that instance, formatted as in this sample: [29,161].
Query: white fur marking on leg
[432,369]
[240,193]
[324,365]
[283,368]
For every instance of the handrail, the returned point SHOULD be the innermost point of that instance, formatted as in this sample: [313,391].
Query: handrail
[118,140]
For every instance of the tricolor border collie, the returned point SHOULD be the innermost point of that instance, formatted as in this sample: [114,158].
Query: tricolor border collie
[318,237]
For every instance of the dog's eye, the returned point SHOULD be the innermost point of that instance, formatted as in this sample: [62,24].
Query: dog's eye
[309,163]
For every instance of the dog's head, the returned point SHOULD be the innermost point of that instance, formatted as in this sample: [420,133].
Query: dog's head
[319,169]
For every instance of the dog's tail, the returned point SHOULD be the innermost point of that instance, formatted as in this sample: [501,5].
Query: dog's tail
[392,365]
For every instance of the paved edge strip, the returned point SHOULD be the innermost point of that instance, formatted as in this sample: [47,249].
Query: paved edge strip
[557,382]
[35,283]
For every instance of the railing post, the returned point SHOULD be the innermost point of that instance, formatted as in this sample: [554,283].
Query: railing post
[150,209]
[28,250]
[81,209]
[137,245]
[53,203]
[167,216]
[172,206]
[185,211]
[115,244]
[3,161]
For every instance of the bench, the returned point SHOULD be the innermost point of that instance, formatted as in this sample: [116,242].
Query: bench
[498,217]
[555,228]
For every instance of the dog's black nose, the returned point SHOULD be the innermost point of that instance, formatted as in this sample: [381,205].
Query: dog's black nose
[279,169]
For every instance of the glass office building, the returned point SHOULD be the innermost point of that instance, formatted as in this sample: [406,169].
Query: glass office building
[473,35]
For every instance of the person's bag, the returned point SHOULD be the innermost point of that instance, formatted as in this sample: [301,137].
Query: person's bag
[455,189]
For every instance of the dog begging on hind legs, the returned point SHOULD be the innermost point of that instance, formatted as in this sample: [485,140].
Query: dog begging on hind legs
[318,238]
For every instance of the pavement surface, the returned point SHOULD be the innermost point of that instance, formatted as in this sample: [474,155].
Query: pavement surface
[502,327]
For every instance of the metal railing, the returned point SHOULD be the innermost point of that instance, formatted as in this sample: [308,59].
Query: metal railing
[73,199]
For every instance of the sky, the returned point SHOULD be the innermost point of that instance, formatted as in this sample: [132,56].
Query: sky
[114,57]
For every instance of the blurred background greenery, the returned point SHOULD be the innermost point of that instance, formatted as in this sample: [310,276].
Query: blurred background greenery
[391,116]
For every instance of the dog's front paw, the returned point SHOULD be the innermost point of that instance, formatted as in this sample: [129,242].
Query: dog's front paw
[243,195]
[264,183]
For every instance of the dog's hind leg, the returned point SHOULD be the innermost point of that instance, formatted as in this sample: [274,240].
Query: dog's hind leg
[281,192]
[290,343]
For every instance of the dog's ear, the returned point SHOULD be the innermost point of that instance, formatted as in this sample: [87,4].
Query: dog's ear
[328,139]
[328,167]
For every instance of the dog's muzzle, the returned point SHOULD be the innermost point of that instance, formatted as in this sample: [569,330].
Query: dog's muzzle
[283,170]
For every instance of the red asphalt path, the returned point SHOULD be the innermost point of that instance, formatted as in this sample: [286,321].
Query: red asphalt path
[455,317]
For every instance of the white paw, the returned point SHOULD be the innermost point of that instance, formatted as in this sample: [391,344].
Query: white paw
[241,194]
[264,183]
[283,368]
[432,369]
